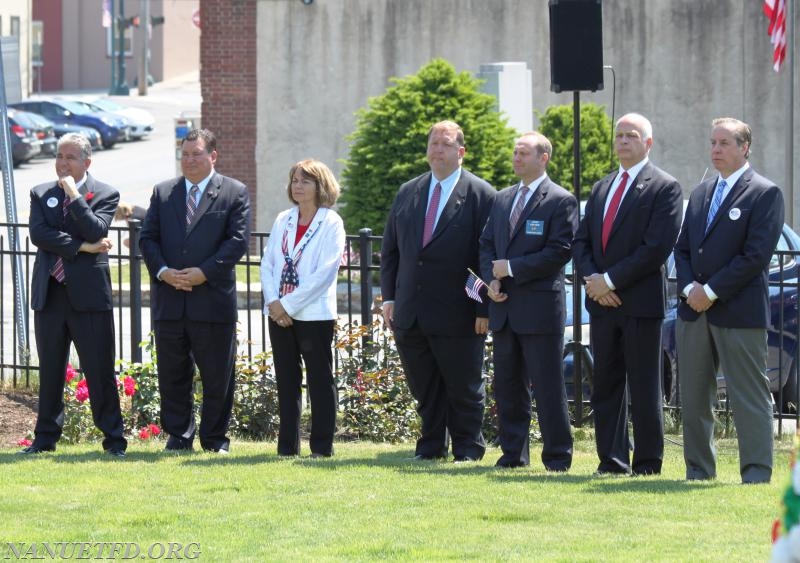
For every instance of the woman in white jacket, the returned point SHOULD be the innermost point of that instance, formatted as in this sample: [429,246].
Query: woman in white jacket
[298,278]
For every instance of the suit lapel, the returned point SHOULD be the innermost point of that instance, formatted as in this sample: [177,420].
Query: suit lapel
[600,205]
[533,203]
[451,208]
[177,198]
[209,195]
[629,200]
[736,192]
[420,207]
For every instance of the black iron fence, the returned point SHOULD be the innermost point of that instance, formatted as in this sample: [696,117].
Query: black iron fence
[357,290]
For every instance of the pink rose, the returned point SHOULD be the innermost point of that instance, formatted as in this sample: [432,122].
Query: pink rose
[82,391]
[144,434]
[154,430]
[130,385]
[24,442]
[88,197]
[71,373]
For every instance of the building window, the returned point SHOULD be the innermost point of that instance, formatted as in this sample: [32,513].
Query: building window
[15,26]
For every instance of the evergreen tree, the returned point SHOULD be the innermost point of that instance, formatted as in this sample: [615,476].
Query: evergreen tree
[389,144]
[597,157]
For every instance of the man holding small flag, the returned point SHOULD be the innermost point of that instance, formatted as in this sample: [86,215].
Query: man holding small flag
[430,239]
[524,247]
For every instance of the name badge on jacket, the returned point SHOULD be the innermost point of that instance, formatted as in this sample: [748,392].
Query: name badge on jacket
[534,227]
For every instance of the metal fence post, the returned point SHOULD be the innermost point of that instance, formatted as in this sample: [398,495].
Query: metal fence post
[135,282]
[365,260]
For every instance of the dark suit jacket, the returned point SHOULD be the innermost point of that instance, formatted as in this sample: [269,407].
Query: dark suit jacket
[733,257]
[214,242]
[87,220]
[537,250]
[643,234]
[427,284]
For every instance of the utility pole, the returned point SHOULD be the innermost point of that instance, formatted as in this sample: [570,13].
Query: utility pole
[144,9]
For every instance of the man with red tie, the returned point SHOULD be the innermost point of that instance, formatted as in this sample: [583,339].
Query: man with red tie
[430,239]
[632,220]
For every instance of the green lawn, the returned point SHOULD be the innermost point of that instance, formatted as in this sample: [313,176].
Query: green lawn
[368,502]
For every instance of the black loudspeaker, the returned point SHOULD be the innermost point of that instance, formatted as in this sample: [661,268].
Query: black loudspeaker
[576,45]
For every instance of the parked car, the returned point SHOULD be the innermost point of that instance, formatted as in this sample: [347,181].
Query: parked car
[42,127]
[91,134]
[111,128]
[140,121]
[24,144]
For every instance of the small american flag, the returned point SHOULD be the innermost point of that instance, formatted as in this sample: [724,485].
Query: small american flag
[473,286]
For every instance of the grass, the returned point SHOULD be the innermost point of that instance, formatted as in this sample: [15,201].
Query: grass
[368,502]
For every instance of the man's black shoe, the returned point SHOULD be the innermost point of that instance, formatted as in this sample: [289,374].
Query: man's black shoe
[464,459]
[178,445]
[116,452]
[420,457]
[36,449]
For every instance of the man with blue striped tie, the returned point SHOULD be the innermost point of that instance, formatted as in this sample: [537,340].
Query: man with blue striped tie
[729,233]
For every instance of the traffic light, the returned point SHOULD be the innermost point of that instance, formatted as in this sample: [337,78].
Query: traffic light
[156,20]
[125,23]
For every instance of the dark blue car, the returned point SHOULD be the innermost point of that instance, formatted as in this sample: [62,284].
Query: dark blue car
[111,128]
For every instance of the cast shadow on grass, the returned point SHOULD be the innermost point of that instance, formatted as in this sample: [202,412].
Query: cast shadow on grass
[608,484]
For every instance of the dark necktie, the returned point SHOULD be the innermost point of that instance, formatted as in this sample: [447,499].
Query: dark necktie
[430,216]
[716,202]
[516,213]
[191,205]
[613,207]
[58,268]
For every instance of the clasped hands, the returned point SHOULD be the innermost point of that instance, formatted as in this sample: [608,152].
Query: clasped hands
[278,314]
[597,289]
[183,280]
[698,299]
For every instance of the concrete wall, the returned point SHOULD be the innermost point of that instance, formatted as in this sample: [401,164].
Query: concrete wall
[680,62]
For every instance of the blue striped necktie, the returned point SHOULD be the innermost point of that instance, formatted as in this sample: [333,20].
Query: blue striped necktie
[716,202]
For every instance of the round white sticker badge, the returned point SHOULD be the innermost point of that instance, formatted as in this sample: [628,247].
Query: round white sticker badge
[52,202]
[734,213]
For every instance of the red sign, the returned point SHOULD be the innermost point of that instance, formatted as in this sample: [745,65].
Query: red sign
[196,18]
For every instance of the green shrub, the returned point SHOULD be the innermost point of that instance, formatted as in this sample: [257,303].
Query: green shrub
[389,144]
[597,157]
[255,403]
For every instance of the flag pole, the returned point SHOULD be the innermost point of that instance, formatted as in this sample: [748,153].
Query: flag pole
[789,114]
[477,276]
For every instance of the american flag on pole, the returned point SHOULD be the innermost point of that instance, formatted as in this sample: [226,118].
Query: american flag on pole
[473,286]
[775,10]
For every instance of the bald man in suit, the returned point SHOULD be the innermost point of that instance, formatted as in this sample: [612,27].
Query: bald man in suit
[632,220]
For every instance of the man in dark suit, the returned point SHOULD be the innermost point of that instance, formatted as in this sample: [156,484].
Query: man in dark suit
[196,229]
[732,224]
[632,220]
[71,294]
[430,239]
[523,249]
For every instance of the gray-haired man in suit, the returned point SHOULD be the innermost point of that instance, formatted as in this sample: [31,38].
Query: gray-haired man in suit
[732,225]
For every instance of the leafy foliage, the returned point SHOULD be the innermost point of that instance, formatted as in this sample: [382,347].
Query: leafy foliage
[377,404]
[255,402]
[389,144]
[596,136]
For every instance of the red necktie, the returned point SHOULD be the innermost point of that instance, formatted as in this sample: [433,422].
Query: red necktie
[613,207]
[58,268]
[430,216]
